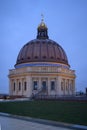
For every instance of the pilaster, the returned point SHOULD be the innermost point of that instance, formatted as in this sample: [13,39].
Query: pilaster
[58,85]
[10,87]
[40,83]
[48,86]
[29,86]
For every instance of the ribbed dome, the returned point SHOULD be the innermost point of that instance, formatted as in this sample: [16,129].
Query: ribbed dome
[42,49]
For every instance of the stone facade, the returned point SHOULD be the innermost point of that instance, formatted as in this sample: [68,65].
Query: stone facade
[48,80]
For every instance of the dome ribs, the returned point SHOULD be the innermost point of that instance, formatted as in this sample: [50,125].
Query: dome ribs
[64,58]
[19,56]
[36,50]
[51,50]
[61,53]
[58,53]
[54,51]
[24,54]
[29,52]
[42,50]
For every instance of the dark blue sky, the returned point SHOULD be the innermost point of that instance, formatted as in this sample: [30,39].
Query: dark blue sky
[67,24]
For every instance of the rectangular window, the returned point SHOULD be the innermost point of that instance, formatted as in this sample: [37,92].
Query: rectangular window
[52,85]
[14,87]
[25,86]
[44,85]
[19,86]
[35,85]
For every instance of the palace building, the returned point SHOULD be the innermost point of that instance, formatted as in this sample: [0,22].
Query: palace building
[42,68]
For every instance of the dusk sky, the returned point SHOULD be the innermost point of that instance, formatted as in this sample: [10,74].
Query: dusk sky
[67,25]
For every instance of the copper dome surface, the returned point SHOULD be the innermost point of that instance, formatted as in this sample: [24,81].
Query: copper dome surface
[42,49]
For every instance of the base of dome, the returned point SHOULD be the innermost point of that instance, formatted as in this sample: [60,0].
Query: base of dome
[41,64]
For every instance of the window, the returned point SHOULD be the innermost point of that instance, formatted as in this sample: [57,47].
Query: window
[52,85]
[44,85]
[44,57]
[51,57]
[28,57]
[36,57]
[14,87]
[35,85]
[62,86]
[19,86]
[25,86]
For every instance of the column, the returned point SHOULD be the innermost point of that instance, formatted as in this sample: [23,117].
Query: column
[68,86]
[65,87]
[22,85]
[16,86]
[21,91]
[10,87]
[48,86]
[58,85]
[40,84]
[29,86]
[73,86]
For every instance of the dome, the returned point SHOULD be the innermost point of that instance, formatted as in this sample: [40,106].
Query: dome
[42,49]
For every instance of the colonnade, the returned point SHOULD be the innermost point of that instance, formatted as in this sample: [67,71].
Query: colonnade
[25,86]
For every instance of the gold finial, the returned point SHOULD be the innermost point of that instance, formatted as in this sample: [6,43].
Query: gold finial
[42,19]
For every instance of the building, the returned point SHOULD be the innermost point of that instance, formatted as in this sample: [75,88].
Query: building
[42,68]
